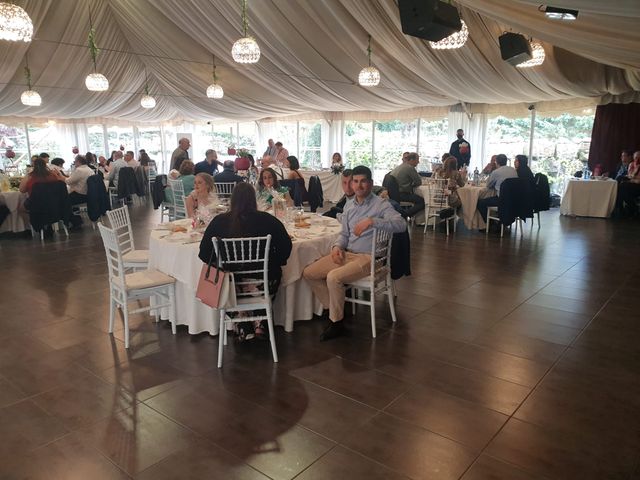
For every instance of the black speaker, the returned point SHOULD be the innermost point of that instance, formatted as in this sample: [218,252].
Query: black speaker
[429,19]
[514,48]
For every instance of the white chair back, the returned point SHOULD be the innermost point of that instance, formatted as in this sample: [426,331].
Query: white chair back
[248,258]
[121,224]
[225,189]
[114,254]
[438,195]
[380,257]
[179,205]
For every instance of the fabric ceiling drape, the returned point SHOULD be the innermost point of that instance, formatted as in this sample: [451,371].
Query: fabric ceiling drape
[615,128]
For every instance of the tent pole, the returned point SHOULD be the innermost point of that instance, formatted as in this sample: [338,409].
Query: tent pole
[532,131]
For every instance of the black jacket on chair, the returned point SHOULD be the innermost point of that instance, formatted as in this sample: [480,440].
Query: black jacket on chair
[391,184]
[157,190]
[297,190]
[516,200]
[49,203]
[141,181]
[316,197]
[542,193]
[400,255]
[127,182]
[97,197]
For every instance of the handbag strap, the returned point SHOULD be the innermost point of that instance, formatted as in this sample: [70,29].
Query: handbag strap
[217,265]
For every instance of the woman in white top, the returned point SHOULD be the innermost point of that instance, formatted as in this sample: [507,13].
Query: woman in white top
[203,198]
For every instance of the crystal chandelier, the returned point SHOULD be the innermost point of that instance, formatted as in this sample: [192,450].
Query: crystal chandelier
[29,97]
[96,82]
[15,24]
[147,101]
[537,56]
[214,90]
[245,50]
[369,76]
[455,40]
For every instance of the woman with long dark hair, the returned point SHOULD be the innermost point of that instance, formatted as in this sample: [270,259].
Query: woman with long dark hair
[40,174]
[245,220]
[268,185]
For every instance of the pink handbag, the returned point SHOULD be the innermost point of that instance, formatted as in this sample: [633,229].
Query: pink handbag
[214,285]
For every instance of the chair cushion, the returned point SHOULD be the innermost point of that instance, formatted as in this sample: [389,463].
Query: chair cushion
[145,279]
[136,256]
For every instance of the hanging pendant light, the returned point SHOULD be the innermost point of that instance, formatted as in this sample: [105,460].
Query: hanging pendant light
[369,76]
[29,97]
[215,90]
[147,101]
[455,40]
[245,50]
[15,24]
[537,56]
[96,82]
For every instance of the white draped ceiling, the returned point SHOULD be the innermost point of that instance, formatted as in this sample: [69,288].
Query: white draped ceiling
[312,51]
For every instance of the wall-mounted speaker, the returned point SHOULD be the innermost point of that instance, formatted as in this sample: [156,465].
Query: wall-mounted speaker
[514,48]
[429,19]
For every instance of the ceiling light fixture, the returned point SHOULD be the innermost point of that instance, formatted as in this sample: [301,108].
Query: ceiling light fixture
[215,90]
[29,97]
[15,24]
[147,101]
[537,56]
[455,40]
[369,76]
[557,13]
[245,50]
[95,82]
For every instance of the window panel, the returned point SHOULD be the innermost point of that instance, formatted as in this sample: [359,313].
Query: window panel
[433,141]
[310,139]
[16,138]
[96,139]
[392,138]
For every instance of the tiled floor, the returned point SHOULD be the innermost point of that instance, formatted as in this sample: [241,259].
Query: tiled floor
[512,359]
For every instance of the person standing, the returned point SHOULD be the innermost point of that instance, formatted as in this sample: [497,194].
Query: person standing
[209,164]
[180,154]
[271,149]
[461,149]
[350,257]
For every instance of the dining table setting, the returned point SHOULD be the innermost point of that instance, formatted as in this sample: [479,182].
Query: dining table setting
[174,247]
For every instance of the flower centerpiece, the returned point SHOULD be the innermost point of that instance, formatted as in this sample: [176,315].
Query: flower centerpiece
[10,153]
[242,159]
[231,150]
[75,150]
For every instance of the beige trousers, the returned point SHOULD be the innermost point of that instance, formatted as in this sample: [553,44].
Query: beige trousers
[327,280]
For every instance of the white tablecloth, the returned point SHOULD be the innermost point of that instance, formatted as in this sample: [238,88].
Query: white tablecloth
[589,198]
[17,221]
[294,301]
[469,198]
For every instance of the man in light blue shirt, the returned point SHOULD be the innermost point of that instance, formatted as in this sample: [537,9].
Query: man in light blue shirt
[496,178]
[114,168]
[350,257]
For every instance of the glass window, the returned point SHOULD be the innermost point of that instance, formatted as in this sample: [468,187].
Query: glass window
[96,140]
[561,147]
[357,143]
[310,137]
[149,139]
[225,135]
[120,136]
[45,138]
[433,141]
[392,138]
[287,132]
[247,135]
[14,138]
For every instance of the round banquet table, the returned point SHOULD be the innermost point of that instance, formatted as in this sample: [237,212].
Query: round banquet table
[468,196]
[177,255]
[17,221]
[589,198]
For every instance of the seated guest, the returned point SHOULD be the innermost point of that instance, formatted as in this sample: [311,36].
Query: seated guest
[202,198]
[268,184]
[622,170]
[491,166]
[336,159]
[521,165]
[209,164]
[114,168]
[228,174]
[350,257]
[77,183]
[91,160]
[629,191]
[346,199]
[454,179]
[57,165]
[281,156]
[113,157]
[186,175]
[103,166]
[408,179]
[131,161]
[253,170]
[39,174]
[143,158]
[489,197]
[294,167]
[244,220]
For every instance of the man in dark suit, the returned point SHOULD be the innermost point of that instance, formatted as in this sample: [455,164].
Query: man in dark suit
[461,149]
[228,174]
